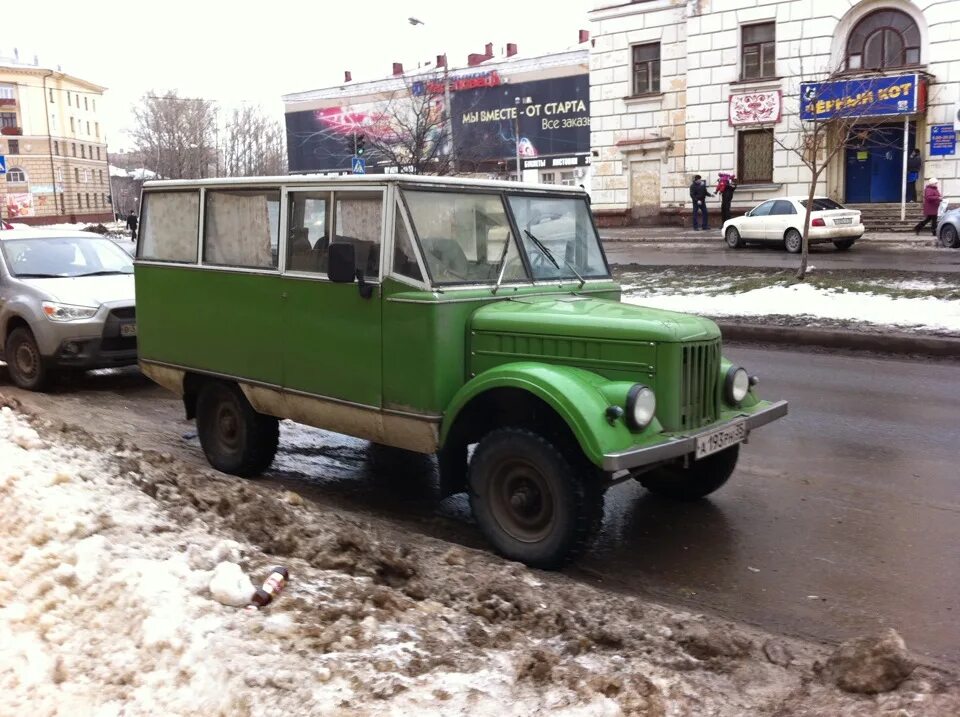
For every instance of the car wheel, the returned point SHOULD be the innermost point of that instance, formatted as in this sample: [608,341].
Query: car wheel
[530,501]
[844,244]
[699,479]
[793,241]
[733,238]
[949,237]
[235,438]
[26,365]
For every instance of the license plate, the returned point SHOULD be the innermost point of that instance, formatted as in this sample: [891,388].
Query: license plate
[843,220]
[721,438]
[128,330]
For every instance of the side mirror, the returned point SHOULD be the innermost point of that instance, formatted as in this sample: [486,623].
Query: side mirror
[342,263]
[748,213]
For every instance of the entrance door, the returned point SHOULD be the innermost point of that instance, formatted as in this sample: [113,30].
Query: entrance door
[875,165]
[645,188]
[331,334]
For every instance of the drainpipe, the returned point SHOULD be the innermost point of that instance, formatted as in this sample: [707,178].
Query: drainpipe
[53,173]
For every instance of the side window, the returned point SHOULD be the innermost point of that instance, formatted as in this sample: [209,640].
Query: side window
[359,221]
[404,259]
[309,236]
[241,228]
[782,206]
[169,223]
[763,210]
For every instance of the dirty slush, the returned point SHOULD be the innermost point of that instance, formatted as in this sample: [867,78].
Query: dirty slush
[107,607]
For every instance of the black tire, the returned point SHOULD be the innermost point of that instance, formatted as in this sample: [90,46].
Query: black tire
[733,238]
[949,237]
[844,244]
[702,478]
[793,241]
[531,502]
[235,438]
[26,365]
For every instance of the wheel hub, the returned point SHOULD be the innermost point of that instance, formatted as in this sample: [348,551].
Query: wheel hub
[521,501]
[26,360]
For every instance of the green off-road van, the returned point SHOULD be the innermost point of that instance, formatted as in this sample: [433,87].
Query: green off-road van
[475,320]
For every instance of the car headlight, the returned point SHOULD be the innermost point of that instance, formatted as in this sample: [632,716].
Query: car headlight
[737,384]
[641,406]
[68,312]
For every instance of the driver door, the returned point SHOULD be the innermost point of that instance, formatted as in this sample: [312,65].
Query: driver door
[755,226]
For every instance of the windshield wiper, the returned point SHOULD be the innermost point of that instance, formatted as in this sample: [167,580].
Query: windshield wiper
[549,254]
[105,273]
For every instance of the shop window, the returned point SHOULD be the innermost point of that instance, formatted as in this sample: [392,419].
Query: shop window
[758,54]
[646,68]
[755,156]
[242,228]
[15,174]
[883,39]
[548,178]
[168,226]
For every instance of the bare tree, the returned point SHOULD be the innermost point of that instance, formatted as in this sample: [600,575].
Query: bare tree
[253,144]
[175,135]
[823,127]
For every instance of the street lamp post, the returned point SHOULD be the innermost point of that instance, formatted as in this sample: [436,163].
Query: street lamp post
[447,114]
[518,102]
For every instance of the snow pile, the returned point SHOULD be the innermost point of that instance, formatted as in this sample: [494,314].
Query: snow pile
[806,300]
[113,560]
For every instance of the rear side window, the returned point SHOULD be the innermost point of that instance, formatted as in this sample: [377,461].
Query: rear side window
[169,223]
[782,206]
[241,228]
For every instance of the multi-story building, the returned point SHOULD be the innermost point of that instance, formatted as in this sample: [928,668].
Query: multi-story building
[55,147]
[686,87]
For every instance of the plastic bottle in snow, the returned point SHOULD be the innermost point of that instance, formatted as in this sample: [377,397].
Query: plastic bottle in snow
[271,587]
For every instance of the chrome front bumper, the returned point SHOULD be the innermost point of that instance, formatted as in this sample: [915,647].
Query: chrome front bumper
[677,446]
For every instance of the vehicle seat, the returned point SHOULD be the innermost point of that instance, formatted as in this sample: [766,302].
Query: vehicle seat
[302,257]
[367,258]
[449,255]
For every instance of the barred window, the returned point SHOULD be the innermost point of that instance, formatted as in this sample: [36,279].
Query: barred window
[755,156]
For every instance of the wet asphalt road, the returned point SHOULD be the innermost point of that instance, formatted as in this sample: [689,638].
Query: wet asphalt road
[842,518]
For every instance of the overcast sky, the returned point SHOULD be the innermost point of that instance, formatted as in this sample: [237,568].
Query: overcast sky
[255,52]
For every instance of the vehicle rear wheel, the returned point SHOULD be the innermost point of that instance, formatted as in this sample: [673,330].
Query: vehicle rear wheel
[531,502]
[793,241]
[26,366]
[949,236]
[235,438]
[699,479]
[733,238]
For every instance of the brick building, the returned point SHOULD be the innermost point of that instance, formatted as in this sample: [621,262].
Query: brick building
[55,146]
[685,87]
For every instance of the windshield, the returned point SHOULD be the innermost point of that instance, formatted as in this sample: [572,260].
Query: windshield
[43,258]
[821,204]
[558,237]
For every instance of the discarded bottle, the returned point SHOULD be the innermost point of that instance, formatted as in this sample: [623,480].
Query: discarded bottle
[272,586]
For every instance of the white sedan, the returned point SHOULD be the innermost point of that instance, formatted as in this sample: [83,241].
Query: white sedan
[781,220]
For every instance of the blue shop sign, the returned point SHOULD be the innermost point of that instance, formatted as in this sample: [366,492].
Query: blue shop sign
[943,139]
[862,97]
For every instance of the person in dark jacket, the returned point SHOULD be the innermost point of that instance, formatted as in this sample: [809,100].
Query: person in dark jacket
[725,188]
[699,194]
[931,206]
[132,225]
[914,168]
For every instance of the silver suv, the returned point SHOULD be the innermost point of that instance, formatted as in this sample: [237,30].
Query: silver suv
[66,301]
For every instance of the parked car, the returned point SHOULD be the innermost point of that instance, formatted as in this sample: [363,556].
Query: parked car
[66,302]
[949,228]
[781,221]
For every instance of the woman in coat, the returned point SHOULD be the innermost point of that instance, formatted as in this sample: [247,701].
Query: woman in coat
[931,206]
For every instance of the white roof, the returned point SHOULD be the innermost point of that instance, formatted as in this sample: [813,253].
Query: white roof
[46,234]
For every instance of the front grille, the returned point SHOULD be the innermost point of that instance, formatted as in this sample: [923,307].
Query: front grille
[124,312]
[700,387]
[112,339]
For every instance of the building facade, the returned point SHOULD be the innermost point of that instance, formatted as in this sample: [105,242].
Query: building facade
[55,147]
[501,108]
[686,87]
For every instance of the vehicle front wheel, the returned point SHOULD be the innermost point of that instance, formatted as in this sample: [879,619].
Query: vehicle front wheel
[26,366]
[235,438]
[844,244]
[531,502]
[793,241]
[949,237]
[699,479]
[733,238]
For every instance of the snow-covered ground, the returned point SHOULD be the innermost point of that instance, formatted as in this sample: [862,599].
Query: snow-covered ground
[112,603]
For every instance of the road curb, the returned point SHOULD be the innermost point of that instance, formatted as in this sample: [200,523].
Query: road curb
[886,343]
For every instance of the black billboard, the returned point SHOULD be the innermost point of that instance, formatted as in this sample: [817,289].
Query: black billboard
[323,140]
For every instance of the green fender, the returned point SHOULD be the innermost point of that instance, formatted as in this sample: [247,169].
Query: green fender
[579,397]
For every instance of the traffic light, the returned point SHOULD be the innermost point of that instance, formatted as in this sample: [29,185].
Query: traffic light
[361,139]
[350,143]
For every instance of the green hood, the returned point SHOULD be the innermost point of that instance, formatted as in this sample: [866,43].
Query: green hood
[583,317]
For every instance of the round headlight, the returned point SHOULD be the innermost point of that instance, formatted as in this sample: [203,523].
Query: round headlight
[737,385]
[641,406]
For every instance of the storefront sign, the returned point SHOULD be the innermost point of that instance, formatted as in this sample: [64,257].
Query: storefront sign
[19,205]
[943,139]
[45,188]
[755,108]
[862,97]
[437,86]
[580,160]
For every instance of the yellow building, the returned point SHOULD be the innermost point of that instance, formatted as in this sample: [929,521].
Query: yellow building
[55,147]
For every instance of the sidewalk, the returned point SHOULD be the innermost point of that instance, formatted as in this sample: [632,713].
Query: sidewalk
[686,234]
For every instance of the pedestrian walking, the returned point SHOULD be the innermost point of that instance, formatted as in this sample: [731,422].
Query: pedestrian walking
[931,206]
[914,168]
[132,226]
[726,185]
[699,194]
